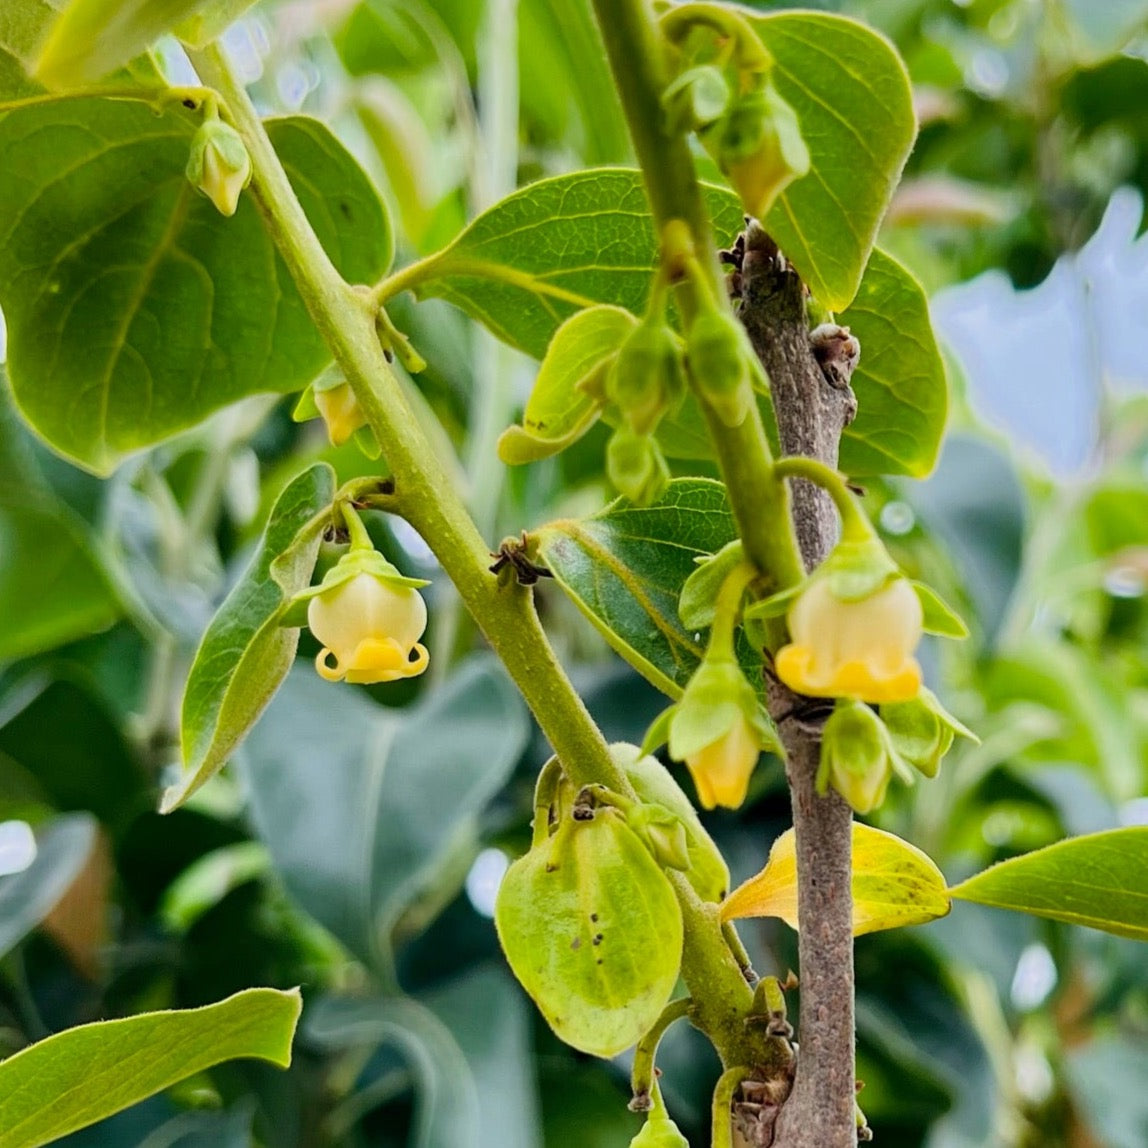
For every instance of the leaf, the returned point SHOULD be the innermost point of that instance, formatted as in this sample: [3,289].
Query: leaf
[246,653]
[209,20]
[894,884]
[27,897]
[23,26]
[94,37]
[1100,880]
[492,1022]
[901,383]
[84,1074]
[558,411]
[448,1108]
[852,97]
[53,586]
[625,567]
[362,806]
[939,617]
[134,308]
[552,248]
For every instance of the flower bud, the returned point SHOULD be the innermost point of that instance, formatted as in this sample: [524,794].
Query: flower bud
[759,147]
[855,756]
[648,377]
[369,619]
[922,730]
[663,833]
[659,1131]
[719,730]
[717,353]
[653,783]
[340,410]
[636,466]
[219,165]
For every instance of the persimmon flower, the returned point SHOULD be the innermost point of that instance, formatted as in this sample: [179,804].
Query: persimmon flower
[722,769]
[719,730]
[368,616]
[219,165]
[370,630]
[340,410]
[858,648]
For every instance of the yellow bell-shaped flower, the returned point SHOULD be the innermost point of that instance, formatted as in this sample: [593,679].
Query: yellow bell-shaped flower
[218,165]
[371,629]
[857,648]
[368,616]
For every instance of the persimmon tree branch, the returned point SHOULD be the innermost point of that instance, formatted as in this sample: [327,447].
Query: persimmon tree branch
[345,316]
[820,1110]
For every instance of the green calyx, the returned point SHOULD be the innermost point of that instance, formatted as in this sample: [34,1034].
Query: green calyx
[592,929]
[718,359]
[647,378]
[922,731]
[716,697]
[218,165]
[696,98]
[857,568]
[858,757]
[636,466]
[656,788]
[659,1131]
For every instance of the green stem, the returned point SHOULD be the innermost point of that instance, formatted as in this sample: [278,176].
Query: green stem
[727,611]
[724,1092]
[504,612]
[643,1079]
[854,523]
[759,501]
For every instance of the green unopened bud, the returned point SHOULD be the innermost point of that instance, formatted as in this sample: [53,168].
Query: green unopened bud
[648,376]
[663,833]
[219,166]
[636,466]
[659,1131]
[758,145]
[856,756]
[655,785]
[922,731]
[697,98]
[718,361]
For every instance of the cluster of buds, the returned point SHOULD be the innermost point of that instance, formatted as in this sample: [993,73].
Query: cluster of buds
[367,615]
[724,91]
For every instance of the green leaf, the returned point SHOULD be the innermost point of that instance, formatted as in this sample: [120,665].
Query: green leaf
[852,97]
[134,308]
[625,567]
[84,1074]
[53,586]
[94,37]
[26,898]
[901,384]
[558,411]
[894,884]
[210,20]
[1100,880]
[448,1105]
[939,617]
[23,26]
[365,808]
[246,653]
[552,248]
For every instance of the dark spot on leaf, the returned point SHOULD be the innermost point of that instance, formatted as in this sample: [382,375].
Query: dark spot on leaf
[576,943]
[597,938]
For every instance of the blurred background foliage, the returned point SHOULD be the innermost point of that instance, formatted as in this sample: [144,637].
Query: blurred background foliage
[356,844]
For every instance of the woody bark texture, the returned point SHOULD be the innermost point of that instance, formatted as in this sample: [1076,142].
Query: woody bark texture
[813,404]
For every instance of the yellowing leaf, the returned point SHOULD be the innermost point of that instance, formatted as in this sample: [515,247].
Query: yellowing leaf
[894,884]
